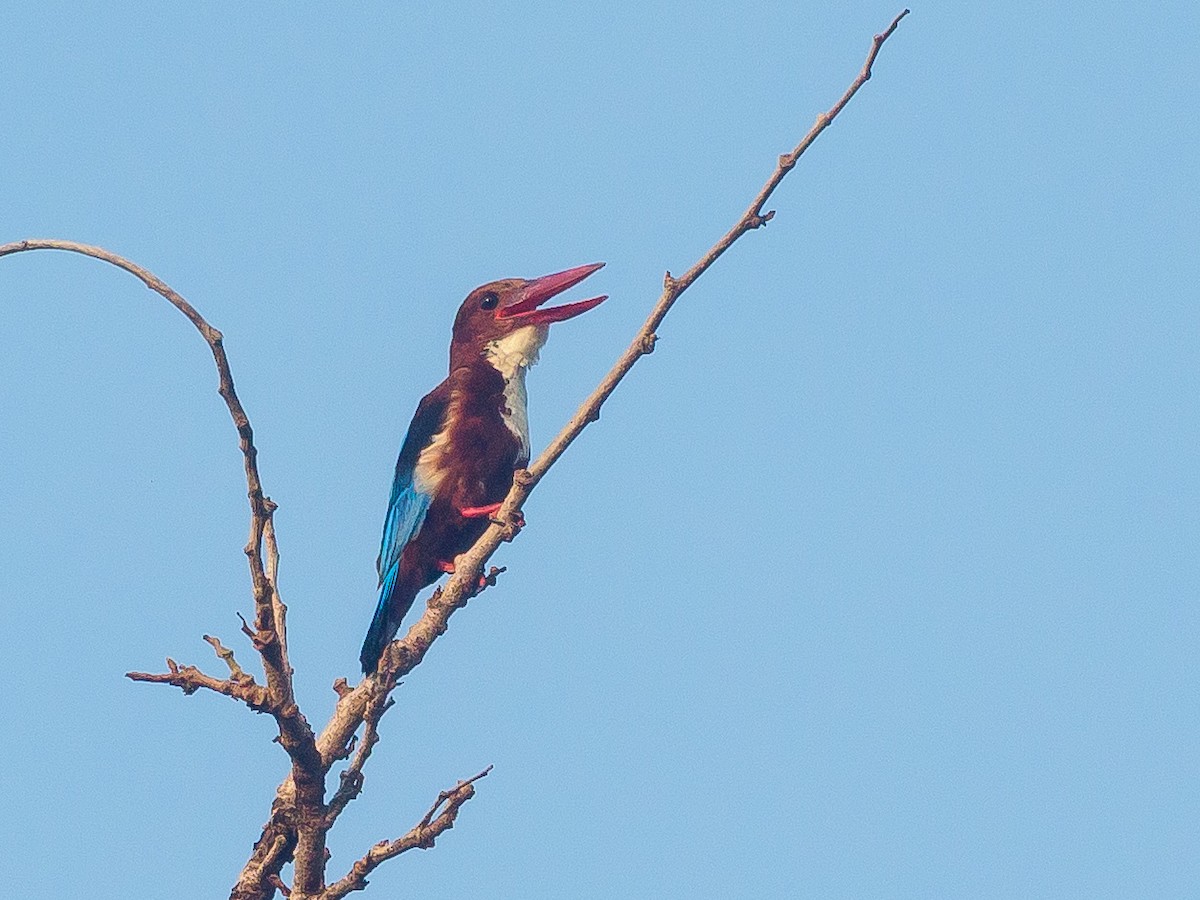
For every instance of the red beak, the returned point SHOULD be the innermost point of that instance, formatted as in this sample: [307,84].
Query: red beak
[537,291]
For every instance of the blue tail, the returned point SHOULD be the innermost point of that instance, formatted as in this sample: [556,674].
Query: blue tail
[393,604]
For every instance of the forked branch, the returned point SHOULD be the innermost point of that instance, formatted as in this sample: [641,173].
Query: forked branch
[300,818]
[439,819]
[403,655]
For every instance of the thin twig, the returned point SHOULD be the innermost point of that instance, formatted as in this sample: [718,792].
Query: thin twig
[190,679]
[643,344]
[405,654]
[422,835]
[268,633]
[408,652]
[261,507]
[236,672]
[351,779]
[299,818]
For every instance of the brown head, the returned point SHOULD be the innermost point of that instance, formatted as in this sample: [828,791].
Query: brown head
[496,310]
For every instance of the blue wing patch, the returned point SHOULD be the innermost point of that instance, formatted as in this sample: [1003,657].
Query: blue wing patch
[408,505]
[406,513]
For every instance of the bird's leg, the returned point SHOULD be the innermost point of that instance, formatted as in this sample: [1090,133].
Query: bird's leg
[484,580]
[479,512]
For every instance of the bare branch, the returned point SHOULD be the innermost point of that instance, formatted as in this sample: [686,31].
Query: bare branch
[300,818]
[261,506]
[268,634]
[261,871]
[405,654]
[236,673]
[422,835]
[644,343]
[190,679]
[351,780]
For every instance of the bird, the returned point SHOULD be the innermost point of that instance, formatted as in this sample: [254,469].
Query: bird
[466,439]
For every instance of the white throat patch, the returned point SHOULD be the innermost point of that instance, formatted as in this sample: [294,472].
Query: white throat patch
[511,356]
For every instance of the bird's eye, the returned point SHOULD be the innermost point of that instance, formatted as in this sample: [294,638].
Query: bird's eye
[489,301]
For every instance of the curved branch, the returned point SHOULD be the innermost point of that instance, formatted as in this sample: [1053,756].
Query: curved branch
[299,817]
[422,835]
[269,633]
[403,655]
[261,506]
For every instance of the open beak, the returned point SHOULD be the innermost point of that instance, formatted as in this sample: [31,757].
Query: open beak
[537,291]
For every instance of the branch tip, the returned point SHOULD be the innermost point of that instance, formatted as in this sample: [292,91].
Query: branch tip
[236,673]
[246,629]
[287,837]
[404,654]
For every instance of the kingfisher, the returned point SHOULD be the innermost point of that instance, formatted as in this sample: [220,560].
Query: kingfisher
[467,437]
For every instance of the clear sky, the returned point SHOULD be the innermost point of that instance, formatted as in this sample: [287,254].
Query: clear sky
[878,579]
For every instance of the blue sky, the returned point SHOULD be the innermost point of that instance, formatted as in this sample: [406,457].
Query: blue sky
[878,579]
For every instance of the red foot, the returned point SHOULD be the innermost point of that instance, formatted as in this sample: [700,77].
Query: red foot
[484,580]
[489,511]
[480,512]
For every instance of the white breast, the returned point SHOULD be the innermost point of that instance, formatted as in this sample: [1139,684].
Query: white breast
[511,356]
